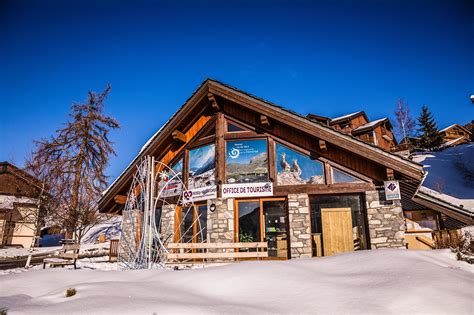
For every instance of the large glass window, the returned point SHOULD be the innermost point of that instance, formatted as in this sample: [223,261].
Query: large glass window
[246,161]
[233,128]
[295,168]
[187,225]
[201,228]
[249,221]
[202,167]
[171,180]
[193,224]
[341,177]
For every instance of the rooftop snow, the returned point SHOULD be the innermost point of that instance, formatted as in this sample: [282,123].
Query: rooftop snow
[450,175]
[370,124]
[345,116]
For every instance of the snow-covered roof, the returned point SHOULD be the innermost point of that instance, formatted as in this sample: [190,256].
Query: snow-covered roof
[370,124]
[449,175]
[345,116]
[453,125]
[452,142]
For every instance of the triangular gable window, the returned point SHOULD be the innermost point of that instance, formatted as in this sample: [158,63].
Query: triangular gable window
[233,128]
[341,177]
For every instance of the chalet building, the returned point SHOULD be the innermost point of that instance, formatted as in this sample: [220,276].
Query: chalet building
[378,132]
[19,194]
[262,173]
[455,135]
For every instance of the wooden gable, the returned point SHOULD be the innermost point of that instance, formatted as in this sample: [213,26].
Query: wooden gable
[204,119]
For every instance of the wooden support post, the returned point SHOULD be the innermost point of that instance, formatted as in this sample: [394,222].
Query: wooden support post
[213,102]
[220,151]
[322,145]
[390,174]
[264,121]
[272,168]
[120,199]
[179,136]
[328,173]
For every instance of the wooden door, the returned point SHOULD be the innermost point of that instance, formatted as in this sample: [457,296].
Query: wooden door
[337,230]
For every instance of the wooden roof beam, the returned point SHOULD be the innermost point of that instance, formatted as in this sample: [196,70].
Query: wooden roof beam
[213,102]
[120,199]
[390,174]
[264,121]
[322,145]
[178,136]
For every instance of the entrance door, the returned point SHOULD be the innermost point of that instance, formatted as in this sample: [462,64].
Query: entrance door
[276,228]
[337,230]
[263,220]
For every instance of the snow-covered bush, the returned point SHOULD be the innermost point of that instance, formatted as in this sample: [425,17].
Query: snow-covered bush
[464,249]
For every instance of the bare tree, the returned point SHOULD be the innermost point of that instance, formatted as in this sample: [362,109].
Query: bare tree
[72,164]
[405,124]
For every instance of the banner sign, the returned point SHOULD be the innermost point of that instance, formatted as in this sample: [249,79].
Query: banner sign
[198,194]
[392,190]
[247,190]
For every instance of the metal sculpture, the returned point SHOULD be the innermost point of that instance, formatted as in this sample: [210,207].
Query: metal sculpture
[146,227]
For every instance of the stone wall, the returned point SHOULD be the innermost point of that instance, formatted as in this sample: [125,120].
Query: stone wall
[300,229]
[386,222]
[220,223]
[167,223]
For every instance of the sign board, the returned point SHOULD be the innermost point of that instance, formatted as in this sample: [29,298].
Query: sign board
[247,190]
[188,196]
[198,194]
[392,190]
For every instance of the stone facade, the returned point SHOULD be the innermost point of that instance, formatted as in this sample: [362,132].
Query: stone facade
[386,222]
[220,223]
[167,223]
[300,229]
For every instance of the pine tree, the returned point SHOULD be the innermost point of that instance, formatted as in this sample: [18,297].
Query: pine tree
[428,133]
[72,164]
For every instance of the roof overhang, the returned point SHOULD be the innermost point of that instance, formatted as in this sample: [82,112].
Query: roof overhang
[400,164]
[455,212]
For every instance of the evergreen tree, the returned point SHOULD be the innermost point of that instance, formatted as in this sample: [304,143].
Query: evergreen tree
[72,164]
[428,131]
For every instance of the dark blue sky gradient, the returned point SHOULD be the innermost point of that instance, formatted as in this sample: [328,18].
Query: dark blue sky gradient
[326,58]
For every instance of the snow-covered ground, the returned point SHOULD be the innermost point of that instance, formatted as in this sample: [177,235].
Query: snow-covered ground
[450,174]
[366,282]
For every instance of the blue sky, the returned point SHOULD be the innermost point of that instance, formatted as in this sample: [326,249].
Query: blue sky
[328,58]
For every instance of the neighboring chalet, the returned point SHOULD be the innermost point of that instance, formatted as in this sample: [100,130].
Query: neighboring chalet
[378,132]
[19,193]
[274,174]
[455,135]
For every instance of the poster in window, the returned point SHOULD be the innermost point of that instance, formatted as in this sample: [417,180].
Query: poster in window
[202,167]
[246,161]
[294,168]
[171,180]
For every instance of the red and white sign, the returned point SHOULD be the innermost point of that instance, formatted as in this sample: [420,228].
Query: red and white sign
[247,190]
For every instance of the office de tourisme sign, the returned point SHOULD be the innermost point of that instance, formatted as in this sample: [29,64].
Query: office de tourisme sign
[247,190]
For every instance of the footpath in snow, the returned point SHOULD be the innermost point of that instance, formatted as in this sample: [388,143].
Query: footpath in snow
[367,282]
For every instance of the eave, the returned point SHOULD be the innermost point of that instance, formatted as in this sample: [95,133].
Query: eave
[402,165]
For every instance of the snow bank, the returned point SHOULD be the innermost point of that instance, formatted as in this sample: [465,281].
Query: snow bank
[366,282]
[450,175]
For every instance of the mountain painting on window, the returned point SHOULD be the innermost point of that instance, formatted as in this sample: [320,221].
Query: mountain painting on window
[294,168]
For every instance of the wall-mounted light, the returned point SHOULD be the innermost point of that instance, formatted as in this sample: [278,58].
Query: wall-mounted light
[212,207]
